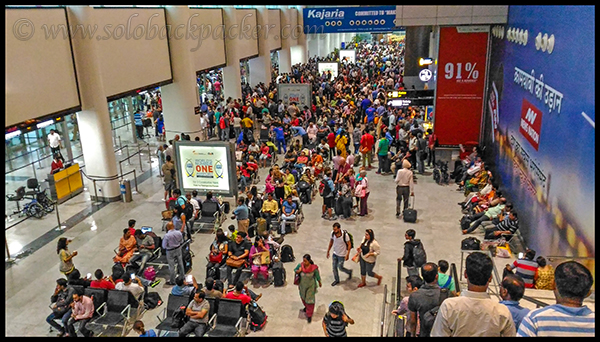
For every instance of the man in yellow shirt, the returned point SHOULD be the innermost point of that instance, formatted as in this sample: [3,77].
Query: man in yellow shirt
[269,209]
[247,122]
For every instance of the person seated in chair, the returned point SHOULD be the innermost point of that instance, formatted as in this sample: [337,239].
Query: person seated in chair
[289,159]
[301,161]
[264,154]
[243,293]
[269,209]
[127,246]
[253,149]
[197,311]
[288,212]
[257,258]
[183,288]
[238,253]
[137,288]
[145,245]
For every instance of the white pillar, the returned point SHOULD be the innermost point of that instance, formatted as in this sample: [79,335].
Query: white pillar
[325,44]
[287,41]
[180,97]
[260,67]
[301,37]
[313,45]
[94,120]
[232,81]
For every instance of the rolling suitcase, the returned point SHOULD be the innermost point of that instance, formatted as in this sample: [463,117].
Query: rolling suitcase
[410,214]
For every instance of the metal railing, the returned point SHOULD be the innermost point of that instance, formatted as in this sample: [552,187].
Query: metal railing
[138,153]
[383,310]
[95,179]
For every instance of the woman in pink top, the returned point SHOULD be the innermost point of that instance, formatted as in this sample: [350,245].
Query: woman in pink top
[255,255]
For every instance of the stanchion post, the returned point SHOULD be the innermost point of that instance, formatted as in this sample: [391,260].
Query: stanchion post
[136,182]
[7,251]
[140,159]
[60,226]
[128,162]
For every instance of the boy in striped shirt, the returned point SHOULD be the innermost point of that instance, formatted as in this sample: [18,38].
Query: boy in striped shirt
[568,317]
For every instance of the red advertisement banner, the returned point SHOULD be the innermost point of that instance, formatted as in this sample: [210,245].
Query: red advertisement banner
[461,77]
[531,123]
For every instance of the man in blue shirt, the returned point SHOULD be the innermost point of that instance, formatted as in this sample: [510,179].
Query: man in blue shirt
[171,244]
[139,125]
[184,288]
[279,137]
[512,289]
[300,131]
[370,114]
[241,213]
[288,212]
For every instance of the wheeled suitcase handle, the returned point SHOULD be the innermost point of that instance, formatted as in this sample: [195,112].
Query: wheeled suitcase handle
[413,202]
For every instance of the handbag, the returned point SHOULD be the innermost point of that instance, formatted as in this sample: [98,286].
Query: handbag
[297,279]
[265,258]
[503,251]
[215,258]
[364,149]
[235,263]
[359,191]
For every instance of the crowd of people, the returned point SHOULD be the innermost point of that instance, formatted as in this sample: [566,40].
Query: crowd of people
[327,148]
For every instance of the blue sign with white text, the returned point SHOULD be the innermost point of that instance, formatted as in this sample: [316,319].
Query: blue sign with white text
[349,19]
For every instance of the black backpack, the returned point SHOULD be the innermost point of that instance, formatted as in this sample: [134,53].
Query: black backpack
[187,210]
[349,235]
[419,255]
[179,317]
[287,253]
[152,300]
[278,274]
[258,317]
[428,318]
[470,244]
[324,188]
[465,223]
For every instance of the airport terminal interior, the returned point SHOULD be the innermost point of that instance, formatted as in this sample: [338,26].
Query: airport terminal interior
[443,99]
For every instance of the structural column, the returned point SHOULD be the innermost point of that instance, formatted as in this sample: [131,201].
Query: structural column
[180,97]
[285,62]
[260,67]
[94,119]
[301,37]
[232,81]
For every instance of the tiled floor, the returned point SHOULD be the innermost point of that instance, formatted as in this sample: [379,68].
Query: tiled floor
[31,280]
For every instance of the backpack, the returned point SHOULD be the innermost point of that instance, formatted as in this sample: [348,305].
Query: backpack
[429,317]
[152,300]
[465,223]
[419,255]
[287,253]
[349,235]
[179,318]
[150,273]
[258,317]
[324,189]
[187,209]
[470,243]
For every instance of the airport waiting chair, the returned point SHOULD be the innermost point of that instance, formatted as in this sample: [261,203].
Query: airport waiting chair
[120,310]
[166,315]
[229,321]
[209,218]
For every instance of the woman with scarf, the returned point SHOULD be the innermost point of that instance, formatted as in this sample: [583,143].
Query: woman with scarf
[361,190]
[127,246]
[307,286]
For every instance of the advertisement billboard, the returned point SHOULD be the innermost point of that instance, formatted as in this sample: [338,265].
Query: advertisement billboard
[539,125]
[349,19]
[294,92]
[348,56]
[204,166]
[328,66]
[460,83]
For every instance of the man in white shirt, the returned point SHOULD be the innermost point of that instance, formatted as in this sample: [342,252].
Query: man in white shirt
[474,313]
[54,143]
[340,241]
[137,289]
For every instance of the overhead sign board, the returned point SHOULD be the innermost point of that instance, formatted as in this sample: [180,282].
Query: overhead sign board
[349,19]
